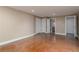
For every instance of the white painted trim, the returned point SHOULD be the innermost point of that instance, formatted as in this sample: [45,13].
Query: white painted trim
[65,26]
[48,25]
[55,25]
[16,39]
[60,33]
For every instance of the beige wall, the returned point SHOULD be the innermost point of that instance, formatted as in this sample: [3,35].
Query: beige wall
[60,25]
[14,24]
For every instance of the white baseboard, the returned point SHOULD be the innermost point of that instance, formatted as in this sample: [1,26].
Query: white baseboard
[16,39]
[60,33]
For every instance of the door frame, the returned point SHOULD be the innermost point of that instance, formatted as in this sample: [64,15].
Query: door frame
[75,28]
[55,24]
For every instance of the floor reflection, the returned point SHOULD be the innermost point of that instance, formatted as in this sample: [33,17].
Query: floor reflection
[43,43]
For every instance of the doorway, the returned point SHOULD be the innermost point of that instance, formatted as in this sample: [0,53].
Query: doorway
[52,26]
[70,26]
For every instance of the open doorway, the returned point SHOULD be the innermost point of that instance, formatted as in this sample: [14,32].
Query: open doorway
[70,26]
[52,26]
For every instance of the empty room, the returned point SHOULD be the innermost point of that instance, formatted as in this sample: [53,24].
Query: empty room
[39,29]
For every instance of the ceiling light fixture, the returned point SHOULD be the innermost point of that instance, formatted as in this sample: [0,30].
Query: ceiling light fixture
[32,10]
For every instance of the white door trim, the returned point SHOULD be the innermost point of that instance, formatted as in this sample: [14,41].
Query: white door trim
[55,25]
[65,26]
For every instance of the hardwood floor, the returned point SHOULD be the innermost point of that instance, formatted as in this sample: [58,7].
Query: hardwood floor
[43,43]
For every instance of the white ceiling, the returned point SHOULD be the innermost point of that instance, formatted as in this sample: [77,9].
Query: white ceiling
[48,10]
